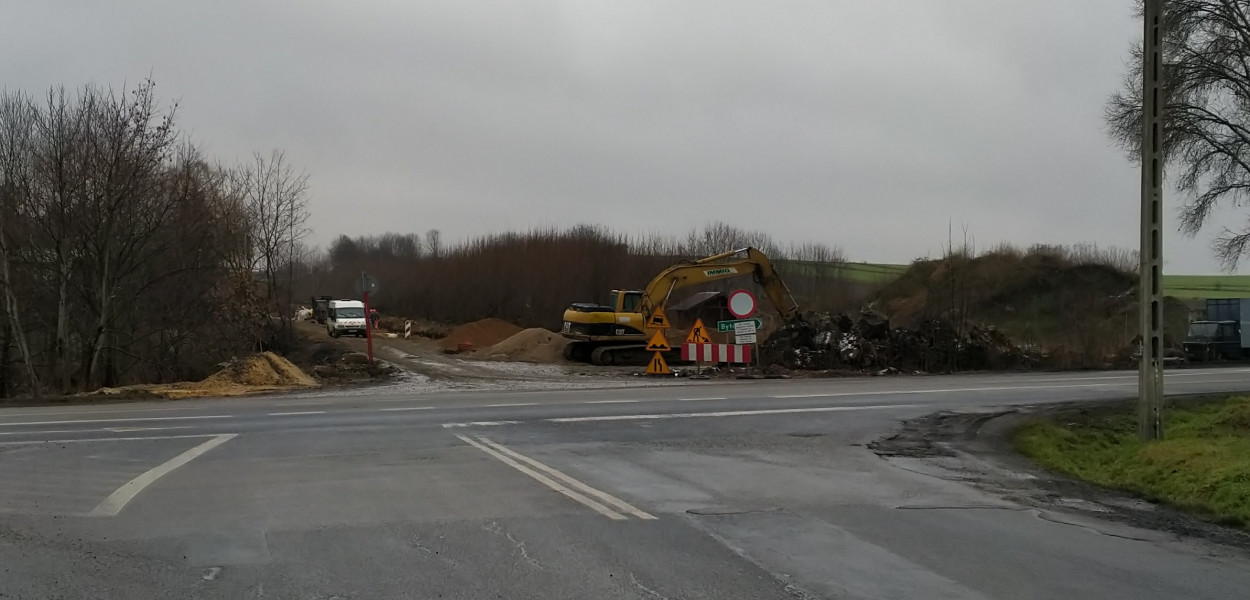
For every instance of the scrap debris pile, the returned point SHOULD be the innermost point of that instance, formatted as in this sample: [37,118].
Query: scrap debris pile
[824,341]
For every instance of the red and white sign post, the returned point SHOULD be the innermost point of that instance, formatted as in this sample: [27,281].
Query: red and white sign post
[742,305]
[365,284]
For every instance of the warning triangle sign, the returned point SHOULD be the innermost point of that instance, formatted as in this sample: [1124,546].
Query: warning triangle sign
[657,366]
[658,320]
[698,334]
[658,343]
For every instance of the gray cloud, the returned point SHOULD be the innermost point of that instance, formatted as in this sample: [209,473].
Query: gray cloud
[871,125]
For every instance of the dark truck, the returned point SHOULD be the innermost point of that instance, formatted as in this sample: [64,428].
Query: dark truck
[321,308]
[1223,334]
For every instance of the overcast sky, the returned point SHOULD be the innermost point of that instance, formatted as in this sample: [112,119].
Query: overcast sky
[868,125]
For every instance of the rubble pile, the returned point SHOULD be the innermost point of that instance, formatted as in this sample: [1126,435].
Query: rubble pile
[825,341]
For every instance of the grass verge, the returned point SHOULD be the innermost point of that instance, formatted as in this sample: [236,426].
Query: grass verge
[1203,465]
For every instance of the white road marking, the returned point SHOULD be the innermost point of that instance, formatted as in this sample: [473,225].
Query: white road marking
[617,503]
[104,439]
[611,401]
[510,404]
[300,412]
[699,399]
[41,431]
[44,413]
[480,424]
[729,413]
[1132,383]
[133,429]
[127,492]
[318,403]
[77,421]
[399,408]
[547,481]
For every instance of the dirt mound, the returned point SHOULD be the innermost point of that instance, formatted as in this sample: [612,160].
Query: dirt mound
[480,334]
[531,345]
[822,341]
[265,369]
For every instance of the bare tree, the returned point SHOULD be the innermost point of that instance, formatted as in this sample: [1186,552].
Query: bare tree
[128,142]
[57,195]
[434,243]
[1206,111]
[275,198]
[16,126]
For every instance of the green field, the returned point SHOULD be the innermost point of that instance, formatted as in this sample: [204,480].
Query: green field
[871,272]
[1180,286]
[1207,286]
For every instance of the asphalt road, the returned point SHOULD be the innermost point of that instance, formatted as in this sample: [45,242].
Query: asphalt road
[749,489]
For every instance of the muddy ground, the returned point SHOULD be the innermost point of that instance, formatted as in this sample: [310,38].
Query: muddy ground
[975,448]
[423,364]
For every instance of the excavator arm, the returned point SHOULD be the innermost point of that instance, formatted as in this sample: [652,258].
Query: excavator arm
[736,263]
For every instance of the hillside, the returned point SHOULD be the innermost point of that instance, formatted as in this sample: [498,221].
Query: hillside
[1042,298]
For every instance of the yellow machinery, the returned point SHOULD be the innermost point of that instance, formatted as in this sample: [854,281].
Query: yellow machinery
[616,333]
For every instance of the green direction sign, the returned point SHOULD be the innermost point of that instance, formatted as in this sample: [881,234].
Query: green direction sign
[726,326]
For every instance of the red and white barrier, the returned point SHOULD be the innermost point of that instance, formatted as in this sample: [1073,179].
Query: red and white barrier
[716,353]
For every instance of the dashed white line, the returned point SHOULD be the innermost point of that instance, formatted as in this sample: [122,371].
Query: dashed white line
[43,431]
[401,408]
[480,424]
[611,401]
[104,439]
[728,413]
[127,492]
[132,419]
[699,399]
[510,404]
[300,412]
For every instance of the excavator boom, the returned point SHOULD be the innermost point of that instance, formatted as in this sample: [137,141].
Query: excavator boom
[736,263]
[616,334]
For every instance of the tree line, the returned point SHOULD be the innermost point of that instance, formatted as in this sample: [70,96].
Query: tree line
[128,256]
[530,277]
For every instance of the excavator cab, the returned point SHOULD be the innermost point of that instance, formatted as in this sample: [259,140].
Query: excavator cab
[626,301]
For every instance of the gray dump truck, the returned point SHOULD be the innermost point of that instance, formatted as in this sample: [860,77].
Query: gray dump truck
[1224,333]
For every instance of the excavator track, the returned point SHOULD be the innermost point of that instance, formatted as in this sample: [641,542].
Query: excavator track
[609,354]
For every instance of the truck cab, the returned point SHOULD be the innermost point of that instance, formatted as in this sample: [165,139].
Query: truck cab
[1212,340]
[346,317]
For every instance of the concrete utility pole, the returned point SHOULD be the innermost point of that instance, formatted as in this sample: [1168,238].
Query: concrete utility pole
[1150,298]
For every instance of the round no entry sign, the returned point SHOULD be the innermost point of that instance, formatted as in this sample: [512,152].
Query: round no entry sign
[741,304]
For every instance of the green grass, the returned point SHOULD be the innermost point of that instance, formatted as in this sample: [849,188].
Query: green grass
[1202,465]
[1207,286]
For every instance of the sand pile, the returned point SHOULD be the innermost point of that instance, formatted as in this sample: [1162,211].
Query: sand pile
[265,369]
[260,373]
[531,345]
[481,334]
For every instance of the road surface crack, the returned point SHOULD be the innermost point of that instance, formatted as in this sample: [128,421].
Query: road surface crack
[727,512]
[650,592]
[1049,519]
[493,527]
[964,507]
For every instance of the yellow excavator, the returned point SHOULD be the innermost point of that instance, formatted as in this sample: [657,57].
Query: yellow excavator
[617,333]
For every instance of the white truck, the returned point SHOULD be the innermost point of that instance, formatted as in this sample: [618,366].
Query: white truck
[346,317]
